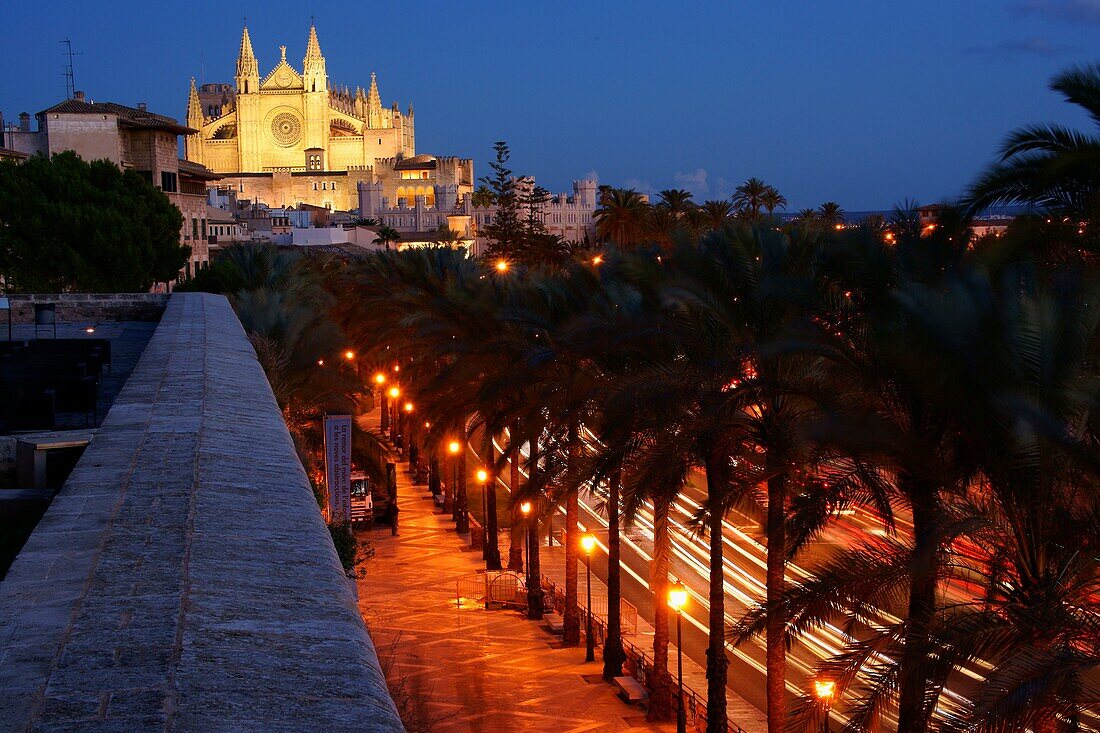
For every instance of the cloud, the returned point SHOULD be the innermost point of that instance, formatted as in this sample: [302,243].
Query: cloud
[1067,11]
[695,181]
[591,175]
[1034,46]
[723,189]
[639,186]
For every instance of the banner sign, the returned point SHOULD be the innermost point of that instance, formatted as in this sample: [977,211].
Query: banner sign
[338,466]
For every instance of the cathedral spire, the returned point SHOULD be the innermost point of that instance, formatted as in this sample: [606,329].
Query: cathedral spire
[194,107]
[313,66]
[248,69]
[374,105]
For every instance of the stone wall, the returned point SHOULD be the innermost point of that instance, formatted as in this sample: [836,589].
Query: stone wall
[183,579]
[89,307]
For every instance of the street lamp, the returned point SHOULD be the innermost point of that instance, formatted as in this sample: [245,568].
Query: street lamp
[453,448]
[677,599]
[502,266]
[825,690]
[483,478]
[394,393]
[525,510]
[588,543]
[383,403]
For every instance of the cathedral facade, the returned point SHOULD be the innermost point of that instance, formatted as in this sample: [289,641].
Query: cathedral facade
[291,137]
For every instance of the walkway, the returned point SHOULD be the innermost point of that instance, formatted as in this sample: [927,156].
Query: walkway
[464,668]
[183,578]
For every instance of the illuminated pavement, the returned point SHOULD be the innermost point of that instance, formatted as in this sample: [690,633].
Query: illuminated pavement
[469,669]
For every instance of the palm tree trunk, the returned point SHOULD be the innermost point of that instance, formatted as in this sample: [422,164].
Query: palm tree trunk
[434,484]
[534,569]
[776,649]
[571,633]
[492,534]
[717,663]
[912,711]
[462,502]
[518,533]
[662,697]
[613,654]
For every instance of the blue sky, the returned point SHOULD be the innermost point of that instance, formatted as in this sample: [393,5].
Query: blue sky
[864,102]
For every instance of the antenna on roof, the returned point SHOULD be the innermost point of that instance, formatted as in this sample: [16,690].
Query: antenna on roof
[70,79]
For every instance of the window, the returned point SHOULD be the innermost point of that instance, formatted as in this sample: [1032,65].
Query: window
[314,185]
[194,229]
[204,228]
[314,161]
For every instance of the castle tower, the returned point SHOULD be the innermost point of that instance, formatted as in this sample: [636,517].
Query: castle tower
[315,102]
[192,144]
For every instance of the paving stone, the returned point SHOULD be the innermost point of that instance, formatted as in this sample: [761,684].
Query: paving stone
[183,578]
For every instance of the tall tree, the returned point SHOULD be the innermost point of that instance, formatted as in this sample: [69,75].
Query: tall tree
[621,217]
[748,198]
[1050,166]
[67,225]
[506,230]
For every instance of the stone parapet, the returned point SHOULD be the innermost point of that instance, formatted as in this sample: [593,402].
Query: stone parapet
[89,307]
[183,579]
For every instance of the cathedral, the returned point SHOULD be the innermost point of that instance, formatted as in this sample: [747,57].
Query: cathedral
[292,137]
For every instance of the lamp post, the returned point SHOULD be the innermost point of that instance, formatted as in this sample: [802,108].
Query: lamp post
[453,448]
[483,479]
[383,405]
[395,392]
[406,436]
[677,599]
[825,690]
[525,510]
[588,543]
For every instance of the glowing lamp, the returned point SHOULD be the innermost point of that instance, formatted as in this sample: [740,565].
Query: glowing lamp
[379,378]
[89,329]
[408,407]
[349,354]
[320,362]
[677,597]
[525,508]
[824,689]
[588,543]
[454,446]
[597,260]
[482,475]
[502,266]
[395,392]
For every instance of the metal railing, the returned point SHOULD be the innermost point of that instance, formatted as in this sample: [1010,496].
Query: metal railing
[640,666]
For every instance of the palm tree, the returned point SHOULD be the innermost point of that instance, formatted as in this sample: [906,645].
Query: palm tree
[482,197]
[1050,166]
[807,216]
[676,200]
[773,200]
[718,213]
[830,214]
[621,217]
[386,236]
[749,197]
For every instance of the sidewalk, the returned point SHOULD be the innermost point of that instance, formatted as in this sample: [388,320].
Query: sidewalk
[552,566]
[461,667]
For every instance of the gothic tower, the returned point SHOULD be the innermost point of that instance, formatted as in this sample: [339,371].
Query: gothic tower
[192,144]
[316,102]
[248,106]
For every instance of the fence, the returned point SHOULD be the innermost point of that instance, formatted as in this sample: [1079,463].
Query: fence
[638,665]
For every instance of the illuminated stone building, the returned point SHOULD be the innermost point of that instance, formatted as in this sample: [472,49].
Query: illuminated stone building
[293,137]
